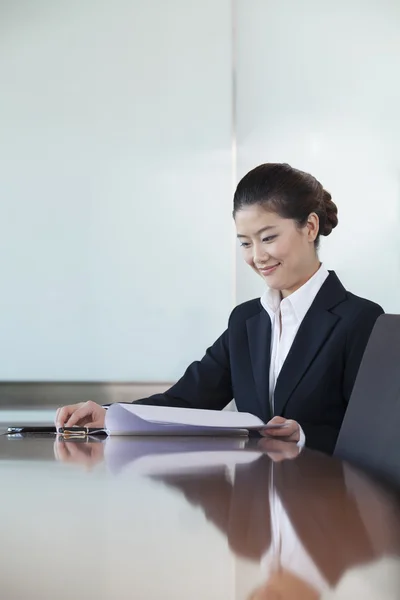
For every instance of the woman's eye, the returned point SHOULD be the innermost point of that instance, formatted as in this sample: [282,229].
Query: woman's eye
[269,238]
[244,244]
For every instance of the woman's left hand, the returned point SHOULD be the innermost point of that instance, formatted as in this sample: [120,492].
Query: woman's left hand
[278,450]
[289,432]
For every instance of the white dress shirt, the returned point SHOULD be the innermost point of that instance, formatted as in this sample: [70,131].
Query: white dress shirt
[286,316]
[287,550]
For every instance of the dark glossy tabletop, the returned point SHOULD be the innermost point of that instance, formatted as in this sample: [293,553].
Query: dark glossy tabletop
[225,519]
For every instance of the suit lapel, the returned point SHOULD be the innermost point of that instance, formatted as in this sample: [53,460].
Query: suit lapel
[259,337]
[313,333]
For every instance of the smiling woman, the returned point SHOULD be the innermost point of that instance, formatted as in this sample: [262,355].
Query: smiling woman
[281,252]
[280,214]
[291,356]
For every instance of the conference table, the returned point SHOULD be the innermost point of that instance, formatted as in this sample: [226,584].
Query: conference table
[188,518]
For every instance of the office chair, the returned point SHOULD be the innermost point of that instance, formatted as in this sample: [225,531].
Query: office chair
[370,434]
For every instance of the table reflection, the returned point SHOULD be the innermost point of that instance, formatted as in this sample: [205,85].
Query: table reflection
[307,521]
[215,518]
[304,518]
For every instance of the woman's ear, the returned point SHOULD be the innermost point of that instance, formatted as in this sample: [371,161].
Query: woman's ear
[312,227]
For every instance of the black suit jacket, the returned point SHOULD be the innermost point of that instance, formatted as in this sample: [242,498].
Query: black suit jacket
[316,380]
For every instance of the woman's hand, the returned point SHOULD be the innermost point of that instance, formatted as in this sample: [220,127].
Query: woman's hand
[289,432]
[277,450]
[88,414]
[84,453]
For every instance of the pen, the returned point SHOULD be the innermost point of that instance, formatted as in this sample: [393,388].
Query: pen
[79,431]
[65,431]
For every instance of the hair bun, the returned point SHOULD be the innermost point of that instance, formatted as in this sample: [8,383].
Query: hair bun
[331,214]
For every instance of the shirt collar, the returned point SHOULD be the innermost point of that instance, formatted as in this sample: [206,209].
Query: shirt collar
[300,300]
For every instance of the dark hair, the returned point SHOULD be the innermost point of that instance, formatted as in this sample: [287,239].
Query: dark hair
[292,194]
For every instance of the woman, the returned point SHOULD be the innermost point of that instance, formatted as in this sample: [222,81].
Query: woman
[292,356]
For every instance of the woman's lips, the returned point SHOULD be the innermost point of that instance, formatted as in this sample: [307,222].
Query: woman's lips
[269,270]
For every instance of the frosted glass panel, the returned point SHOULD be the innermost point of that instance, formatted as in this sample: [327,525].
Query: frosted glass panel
[115,186]
[316,87]
[116,245]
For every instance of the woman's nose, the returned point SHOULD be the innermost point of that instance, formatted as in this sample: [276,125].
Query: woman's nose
[260,256]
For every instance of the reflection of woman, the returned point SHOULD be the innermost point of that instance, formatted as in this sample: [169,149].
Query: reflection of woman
[300,519]
[296,352]
[315,528]
[378,580]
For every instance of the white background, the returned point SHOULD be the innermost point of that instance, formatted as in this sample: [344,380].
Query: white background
[115,186]
[117,119]
[316,87]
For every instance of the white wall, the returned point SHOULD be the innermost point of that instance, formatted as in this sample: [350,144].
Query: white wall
[115,187]
[317,87]
[117,251]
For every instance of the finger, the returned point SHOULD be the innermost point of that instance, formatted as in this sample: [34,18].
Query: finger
[277,457]
[275,423]
[81,453]
[288,454]
[285,431]
[57,416]
[96,424]
[84,412]
[288,428]
[98,451]
[84,448]
[61,452]
[55,450]
[64,413]
[77,451]
[277,420]
[278,450]
[286,440]
[96,418]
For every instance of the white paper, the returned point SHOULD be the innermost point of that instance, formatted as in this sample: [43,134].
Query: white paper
[165,455]
[173,464]
[131,419]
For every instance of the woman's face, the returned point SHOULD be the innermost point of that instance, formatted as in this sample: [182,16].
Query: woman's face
[276,248]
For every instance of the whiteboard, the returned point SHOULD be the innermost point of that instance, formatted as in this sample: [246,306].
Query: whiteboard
[115,187]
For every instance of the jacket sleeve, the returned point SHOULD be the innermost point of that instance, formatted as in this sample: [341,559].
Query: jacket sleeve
[205,384]
[320,437]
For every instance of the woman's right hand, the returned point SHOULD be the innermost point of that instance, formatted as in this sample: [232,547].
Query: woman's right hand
[88,414]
